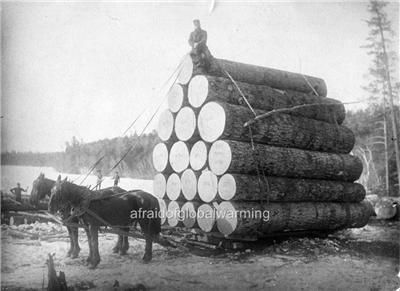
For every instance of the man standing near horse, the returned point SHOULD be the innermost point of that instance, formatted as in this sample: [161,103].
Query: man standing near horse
[99,180]
[116,179]
[17,191]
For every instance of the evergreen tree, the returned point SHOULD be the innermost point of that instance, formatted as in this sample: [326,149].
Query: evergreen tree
[382,87]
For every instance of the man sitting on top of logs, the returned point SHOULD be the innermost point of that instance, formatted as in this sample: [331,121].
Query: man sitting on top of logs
[198,41]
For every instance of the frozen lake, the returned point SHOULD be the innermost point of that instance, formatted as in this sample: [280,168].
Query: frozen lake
[25,175]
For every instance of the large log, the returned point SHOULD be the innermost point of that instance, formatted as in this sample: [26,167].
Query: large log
[185,124]
[198,155]
[279,189]
[255,75]
[174,216]
[204,88]
[206,218]
[176,97]
[189,214]
[254,219]
[239,157]
[218,120]
[160,158]
[174,188]
[159,185]
[179,156]
[207,186]
[165,126]
[189,185]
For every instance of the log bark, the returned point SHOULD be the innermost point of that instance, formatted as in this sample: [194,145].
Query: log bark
[198,155]
[160,158]
[252,74]
[179,156]
[204,88]
[159,185]
[189,185]
[254,219]
[185,125]
[239,157]
[174,188]
[207,186]
[238,187]
[189,214]
[177,97]
[219,120]
[165,126]
[206,219]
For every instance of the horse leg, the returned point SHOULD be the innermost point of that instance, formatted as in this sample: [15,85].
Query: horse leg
[118,245]
[125,243]
[71,241]
[148,254]
[76,248]
[89,237]
[94,232]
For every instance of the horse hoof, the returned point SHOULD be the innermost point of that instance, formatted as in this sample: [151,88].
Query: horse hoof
[115,250]
[74,256]
[122,253]
[92,267]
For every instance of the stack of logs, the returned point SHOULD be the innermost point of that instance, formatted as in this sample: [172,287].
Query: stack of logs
[288,171]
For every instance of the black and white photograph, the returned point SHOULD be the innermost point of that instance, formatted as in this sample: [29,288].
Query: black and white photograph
[200,145]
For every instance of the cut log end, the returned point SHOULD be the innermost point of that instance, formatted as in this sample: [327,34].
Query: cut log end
[162,211]
[227,187]
[189,214]
[189,184]
[160,157]
[186,71]
[198,155]
[220,157]
[165,125]
[207,186]
[211,121]
[175,98]
[179,156]
[173,213]
[185,124]
[206,217]
[173,187]
[159,186]
[227,219]
[198,91]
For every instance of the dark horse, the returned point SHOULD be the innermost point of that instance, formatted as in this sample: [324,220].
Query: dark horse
[119,211]
[42,188]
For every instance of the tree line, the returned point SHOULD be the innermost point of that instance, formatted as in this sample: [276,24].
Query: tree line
[79,157]
[368,127]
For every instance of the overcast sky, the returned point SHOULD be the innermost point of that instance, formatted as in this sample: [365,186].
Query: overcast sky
[87,69]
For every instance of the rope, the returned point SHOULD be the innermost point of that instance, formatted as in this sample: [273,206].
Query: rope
[133,123]
[309,84]
[240,92]
[291,109]
[177,70]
